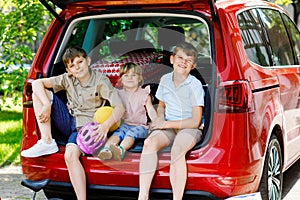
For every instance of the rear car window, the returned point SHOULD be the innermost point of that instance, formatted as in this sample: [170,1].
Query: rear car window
[112,41]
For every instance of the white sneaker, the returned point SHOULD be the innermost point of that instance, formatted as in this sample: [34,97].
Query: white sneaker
[39,149]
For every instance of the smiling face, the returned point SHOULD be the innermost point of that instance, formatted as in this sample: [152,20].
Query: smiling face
[130,80]
[182,63]
[79,68]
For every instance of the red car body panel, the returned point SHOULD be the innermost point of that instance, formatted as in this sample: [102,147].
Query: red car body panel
[231,161]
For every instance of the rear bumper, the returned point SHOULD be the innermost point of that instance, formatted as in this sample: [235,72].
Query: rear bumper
[114,192]
[106,180]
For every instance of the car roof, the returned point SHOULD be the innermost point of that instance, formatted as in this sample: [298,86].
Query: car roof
[205,5]
[63,3]
[210,7]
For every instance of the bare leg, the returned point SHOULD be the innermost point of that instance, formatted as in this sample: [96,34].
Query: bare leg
[118,151]
[112,140]
[183,142]
[46,145]
[127,143]
[45,127]
[148,162]
[105,152]
[76,171]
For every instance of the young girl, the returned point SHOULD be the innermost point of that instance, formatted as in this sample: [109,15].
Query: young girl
[137,102]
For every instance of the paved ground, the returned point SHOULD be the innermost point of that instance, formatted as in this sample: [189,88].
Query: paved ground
[10,185]
[291,183]
[11,189]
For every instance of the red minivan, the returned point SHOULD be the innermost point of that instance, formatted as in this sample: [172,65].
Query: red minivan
[248,63]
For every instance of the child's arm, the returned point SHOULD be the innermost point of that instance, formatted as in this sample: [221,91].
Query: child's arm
[39,88]
[161,110]
[150,109]
[193,122]
[116,115]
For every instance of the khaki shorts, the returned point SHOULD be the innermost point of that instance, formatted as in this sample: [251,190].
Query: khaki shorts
[171,133]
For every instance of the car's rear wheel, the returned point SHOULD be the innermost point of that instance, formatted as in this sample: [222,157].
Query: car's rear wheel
[272,177]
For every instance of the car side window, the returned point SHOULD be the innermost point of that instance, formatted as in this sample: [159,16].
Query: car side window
[253,38]
[294,35]
[282,53]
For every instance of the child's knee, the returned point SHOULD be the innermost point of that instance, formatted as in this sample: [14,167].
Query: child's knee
[49,95]
[72,154]
[179,151]
[147,143]
[150,144]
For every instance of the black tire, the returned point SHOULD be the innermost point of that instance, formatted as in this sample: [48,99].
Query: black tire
[272,177]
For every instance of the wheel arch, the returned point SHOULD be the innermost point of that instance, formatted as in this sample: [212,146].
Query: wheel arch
[272,175]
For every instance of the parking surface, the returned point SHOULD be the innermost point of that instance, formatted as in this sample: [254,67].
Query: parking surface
[10,187]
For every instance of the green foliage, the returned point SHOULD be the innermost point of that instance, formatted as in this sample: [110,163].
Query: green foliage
[22,25]
[283,2]
[10,135]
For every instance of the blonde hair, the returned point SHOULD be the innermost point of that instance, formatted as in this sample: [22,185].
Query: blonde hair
[136,69]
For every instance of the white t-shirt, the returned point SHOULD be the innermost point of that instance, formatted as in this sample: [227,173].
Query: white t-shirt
[180,101]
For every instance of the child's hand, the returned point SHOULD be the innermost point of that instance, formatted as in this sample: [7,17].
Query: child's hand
[44,116]
[100,132]
[158,123]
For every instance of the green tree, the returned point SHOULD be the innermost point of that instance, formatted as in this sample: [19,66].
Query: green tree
[296,7]
[22,25]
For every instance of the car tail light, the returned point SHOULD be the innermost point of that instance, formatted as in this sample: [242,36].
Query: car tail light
[27,96]
[234,96]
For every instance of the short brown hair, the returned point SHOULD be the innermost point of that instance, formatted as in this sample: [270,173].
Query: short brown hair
[71,53]
[187,48]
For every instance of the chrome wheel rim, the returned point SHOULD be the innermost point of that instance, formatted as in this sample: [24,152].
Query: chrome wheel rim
[274,174]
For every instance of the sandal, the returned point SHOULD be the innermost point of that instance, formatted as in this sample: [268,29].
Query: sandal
[105,153]
[117,151]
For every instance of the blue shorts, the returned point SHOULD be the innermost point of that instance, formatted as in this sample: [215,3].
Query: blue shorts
[63,121]
[135,132]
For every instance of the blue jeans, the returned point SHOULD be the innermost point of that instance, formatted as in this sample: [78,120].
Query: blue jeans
[63,121]
[135,132]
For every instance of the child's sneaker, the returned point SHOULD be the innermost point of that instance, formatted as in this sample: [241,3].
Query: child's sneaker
[39,149]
